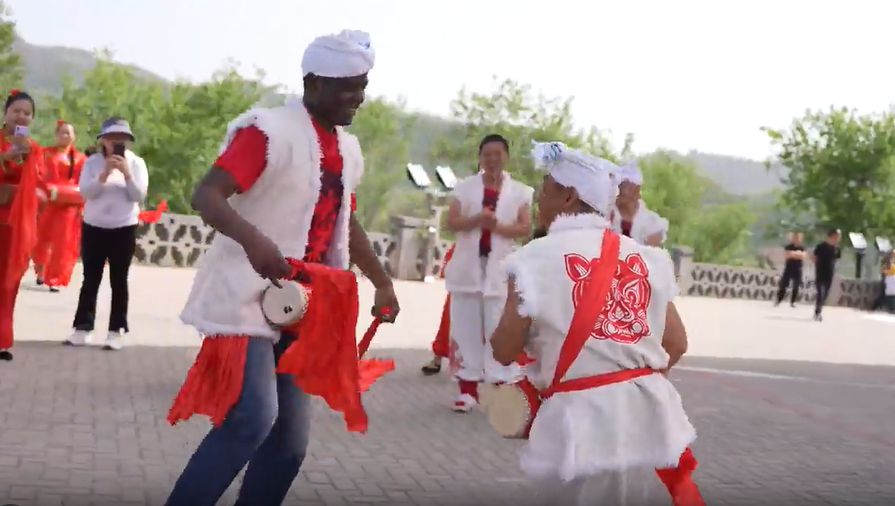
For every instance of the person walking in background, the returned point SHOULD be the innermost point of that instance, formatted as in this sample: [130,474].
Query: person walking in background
[113,183]
[21,192]
[59,225]
[825,256]
[889,281]
[885,264]
[792,269]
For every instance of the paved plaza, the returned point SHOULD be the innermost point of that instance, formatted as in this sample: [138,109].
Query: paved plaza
[788,411]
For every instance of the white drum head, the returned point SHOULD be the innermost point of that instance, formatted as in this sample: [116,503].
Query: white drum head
[509,411]
[284,306]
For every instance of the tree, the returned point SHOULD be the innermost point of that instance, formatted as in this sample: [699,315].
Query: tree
[515,112]
[383,131]
[842,170]
[179,127]
[674,188]
[11,69]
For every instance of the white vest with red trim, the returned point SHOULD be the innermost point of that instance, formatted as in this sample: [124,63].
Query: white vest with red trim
[226,293]
[632,424]
[644,224]
[464,273]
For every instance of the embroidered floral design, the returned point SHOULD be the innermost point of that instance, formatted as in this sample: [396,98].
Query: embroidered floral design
[623,318]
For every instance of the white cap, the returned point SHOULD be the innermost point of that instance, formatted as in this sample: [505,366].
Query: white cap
[595,179]
[347,54]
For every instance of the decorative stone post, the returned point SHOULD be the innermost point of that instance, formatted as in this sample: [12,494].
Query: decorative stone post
[409,246]
[682,256]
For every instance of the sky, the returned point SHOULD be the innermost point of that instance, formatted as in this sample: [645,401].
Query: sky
[681,74]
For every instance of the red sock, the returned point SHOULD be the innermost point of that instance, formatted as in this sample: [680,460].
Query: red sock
[470,387]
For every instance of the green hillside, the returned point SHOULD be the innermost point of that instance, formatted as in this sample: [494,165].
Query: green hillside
[46,67]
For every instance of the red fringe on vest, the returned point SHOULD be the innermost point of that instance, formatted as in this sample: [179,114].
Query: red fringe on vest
[323,359]
[214,382]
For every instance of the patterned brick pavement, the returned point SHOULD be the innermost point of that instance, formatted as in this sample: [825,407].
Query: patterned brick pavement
[83,426]
[786,415]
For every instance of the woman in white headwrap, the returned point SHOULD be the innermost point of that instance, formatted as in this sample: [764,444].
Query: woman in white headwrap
[630,216]
[595,311]
[488,212]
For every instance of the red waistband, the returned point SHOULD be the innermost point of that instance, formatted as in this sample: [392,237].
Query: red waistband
[600,380]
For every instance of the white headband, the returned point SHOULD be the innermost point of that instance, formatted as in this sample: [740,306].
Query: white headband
[595,179]
[631,172]
[347,54]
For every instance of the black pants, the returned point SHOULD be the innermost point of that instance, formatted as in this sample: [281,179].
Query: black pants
[881,298]
[98,246]
[822,284]
[790,276]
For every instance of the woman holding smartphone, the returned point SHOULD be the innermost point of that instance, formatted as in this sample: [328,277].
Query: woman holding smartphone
[113,184]
[21,166]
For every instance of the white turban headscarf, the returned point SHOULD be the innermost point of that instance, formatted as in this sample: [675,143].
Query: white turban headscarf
[347,54]
[631,172]
[596,180]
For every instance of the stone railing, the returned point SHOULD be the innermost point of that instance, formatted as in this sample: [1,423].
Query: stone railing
[179,241]
[730,282]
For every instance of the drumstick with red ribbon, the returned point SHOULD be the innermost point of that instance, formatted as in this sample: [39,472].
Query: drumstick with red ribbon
[371,331]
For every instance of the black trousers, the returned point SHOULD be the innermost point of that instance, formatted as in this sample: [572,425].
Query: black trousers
[822,284]
[98,246]
[790,276]
[881,298]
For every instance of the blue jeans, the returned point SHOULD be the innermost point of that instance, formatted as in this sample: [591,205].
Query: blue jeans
[268,428]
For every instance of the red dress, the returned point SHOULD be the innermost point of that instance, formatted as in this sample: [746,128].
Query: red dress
[18,230]
[59,225]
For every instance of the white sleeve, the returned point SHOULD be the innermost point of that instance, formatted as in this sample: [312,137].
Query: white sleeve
[89,184]
[516,268]
[663,272]
[138,184]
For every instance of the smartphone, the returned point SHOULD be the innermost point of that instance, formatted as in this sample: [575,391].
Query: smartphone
[21,131]
[118,149]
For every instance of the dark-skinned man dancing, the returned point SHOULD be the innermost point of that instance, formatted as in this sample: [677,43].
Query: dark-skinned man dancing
[282,188]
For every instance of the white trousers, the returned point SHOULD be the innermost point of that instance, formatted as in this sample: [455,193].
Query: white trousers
[633,487]
[473,320]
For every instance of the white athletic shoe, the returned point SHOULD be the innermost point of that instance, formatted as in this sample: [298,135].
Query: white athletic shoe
[465,403]
[78,338]
[114,341]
